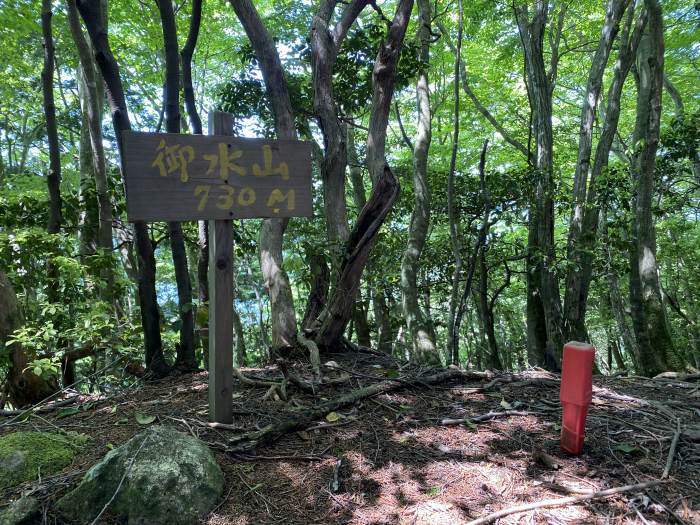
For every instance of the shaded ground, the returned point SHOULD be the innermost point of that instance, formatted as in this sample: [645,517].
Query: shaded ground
[391,460]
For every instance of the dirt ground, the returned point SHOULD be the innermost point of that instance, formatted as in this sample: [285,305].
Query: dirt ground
[393,459]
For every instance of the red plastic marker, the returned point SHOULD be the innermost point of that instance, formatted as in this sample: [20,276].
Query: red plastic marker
[575,394]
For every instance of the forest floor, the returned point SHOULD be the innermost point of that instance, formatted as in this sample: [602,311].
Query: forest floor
[396,459]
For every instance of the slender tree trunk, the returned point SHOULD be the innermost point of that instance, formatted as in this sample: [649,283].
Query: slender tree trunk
[423,346]
[53,176]
[545,293]
[452,334]
[92,154]
[284,324]
[585,240]
[651,327]
[185,358]
[91,13]
[576,295]
[324,49]
[196,124]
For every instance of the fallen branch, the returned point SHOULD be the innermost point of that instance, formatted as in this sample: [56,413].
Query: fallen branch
[299,420]
[484,417]
[672,450]
[558,502]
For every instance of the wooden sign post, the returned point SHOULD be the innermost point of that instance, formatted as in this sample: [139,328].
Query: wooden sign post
[216,177]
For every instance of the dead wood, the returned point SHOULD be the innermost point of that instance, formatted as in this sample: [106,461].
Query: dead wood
[299,420]
[558,502]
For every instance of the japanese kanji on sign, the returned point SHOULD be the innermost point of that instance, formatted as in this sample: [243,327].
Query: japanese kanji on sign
[171,177]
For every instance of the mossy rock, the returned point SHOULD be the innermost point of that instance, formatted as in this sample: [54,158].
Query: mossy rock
[24,511]
[26,455]
[159,476]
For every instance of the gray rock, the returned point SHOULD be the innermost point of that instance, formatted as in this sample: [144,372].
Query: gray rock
[166,477]
[24,511]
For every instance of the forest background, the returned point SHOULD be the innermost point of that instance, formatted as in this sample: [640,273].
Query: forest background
[547,155]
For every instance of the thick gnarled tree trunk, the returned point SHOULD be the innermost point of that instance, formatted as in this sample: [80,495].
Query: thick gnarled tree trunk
[341,304]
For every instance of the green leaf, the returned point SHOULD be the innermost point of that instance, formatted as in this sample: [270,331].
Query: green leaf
[37,371]
[110,446]
[332,417]
[65,412]
[391,373]
[470,425]
[506,405]
[626,448]
[144,419]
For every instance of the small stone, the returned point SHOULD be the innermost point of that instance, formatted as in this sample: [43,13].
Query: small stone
[24,511]
[166,476]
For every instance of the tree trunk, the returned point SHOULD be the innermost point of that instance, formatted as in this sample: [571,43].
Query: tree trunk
[92,155]
[196,123]
[320,280]
[576,297]
[493,360]
[185,358]
[25,387]
[324,50]
[423,345]
[384,192]
[543,256]
[284,324]
[657,353]
[359,199]
[91,13]
[53,176]
[452,335]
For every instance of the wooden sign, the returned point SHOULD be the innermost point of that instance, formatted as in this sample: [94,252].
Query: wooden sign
[173,177]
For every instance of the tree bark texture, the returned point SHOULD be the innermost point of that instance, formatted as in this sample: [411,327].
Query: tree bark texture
[541,245]
[657,353]
[92,153]
[423,345]
[452,335]
[384,193]
[325,44]
[53,175]
[283,316]
[185,358]
[91,13]
[576,295]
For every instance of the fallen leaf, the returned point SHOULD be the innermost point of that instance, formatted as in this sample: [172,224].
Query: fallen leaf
[470,425]
[506,405]
[332,417]
[626,448]
[65,412]
[144,419]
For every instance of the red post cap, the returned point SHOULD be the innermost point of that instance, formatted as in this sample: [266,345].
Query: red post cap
[575,394]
